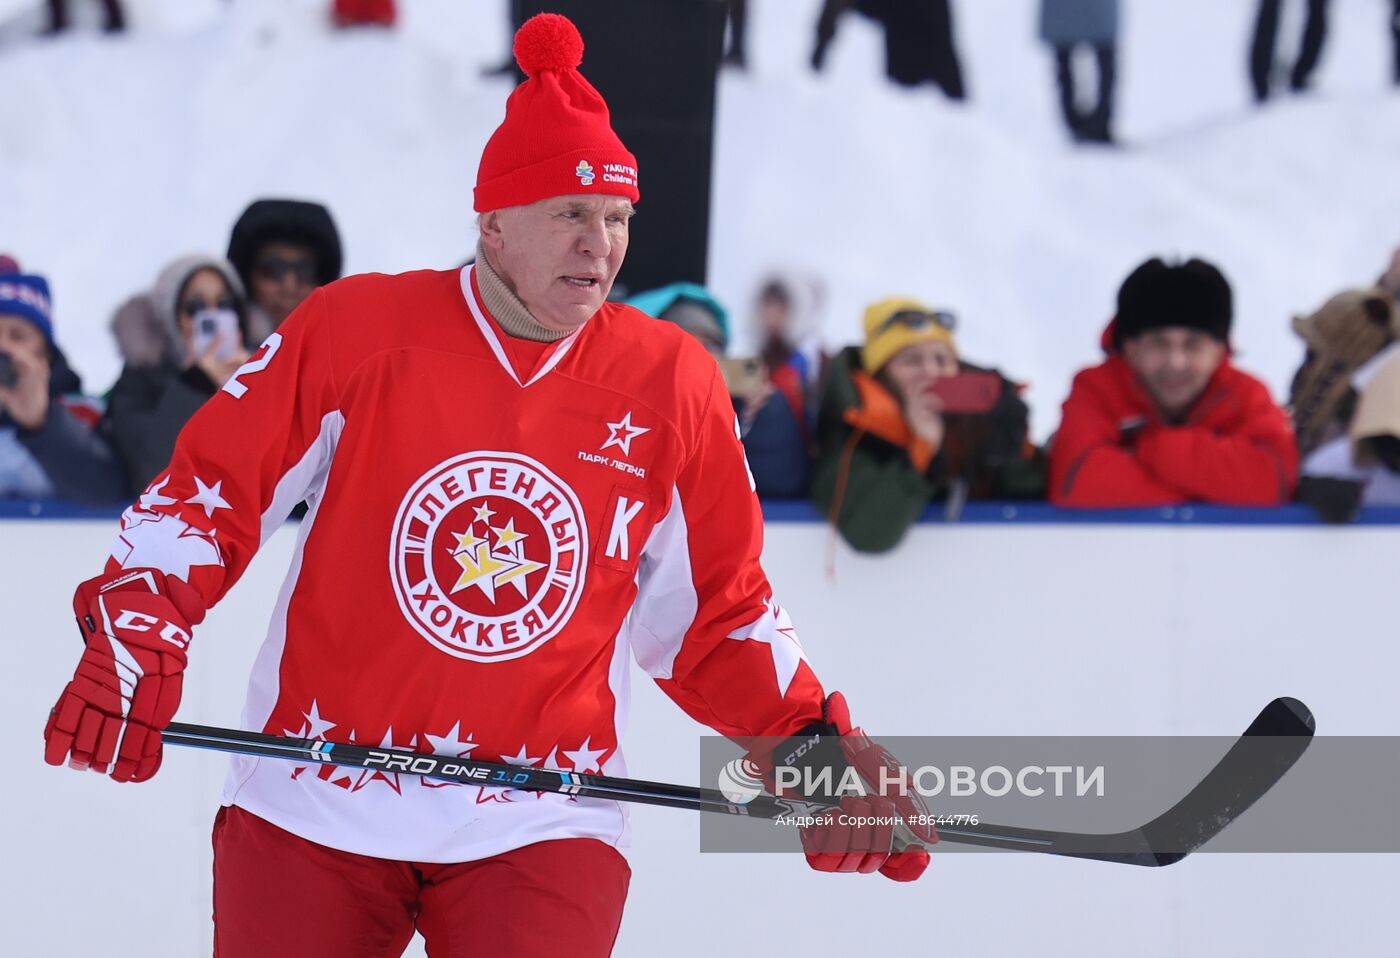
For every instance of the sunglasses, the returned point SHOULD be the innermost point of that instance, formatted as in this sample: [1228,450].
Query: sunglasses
[274,268]
[918,319]
[193,305]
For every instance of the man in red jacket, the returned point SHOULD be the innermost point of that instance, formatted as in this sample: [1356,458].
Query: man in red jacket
[1166,418]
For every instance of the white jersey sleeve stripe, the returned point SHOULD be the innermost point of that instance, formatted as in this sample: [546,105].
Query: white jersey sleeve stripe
[307,478]
[263,683]
[666,599]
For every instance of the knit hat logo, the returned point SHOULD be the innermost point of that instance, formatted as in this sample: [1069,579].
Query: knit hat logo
[584,172]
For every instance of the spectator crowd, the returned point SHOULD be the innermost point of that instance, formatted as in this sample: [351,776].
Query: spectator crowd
[1082,36]
[921,48]
[873,433]
[180,341]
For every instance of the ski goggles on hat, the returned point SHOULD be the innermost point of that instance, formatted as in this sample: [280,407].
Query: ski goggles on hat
[919,320]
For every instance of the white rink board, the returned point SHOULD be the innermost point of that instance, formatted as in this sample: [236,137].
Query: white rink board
[974,629]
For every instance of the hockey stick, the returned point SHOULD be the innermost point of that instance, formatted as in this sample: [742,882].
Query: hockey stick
[1269,747]
[1274,741]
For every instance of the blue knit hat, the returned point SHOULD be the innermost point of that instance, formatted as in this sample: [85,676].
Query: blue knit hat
[27,296]
[655,302]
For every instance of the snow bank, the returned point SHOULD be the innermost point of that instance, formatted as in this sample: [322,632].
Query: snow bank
[120,154]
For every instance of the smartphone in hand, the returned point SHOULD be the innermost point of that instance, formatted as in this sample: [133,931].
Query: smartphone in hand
[216,325]
[9,375]
[968,392]
[743,376]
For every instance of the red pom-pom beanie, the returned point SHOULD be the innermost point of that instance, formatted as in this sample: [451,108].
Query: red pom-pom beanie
[557,138]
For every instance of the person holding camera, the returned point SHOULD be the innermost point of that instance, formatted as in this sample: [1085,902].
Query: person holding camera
[904,421]
[47,444]
[775,444]
[181,342]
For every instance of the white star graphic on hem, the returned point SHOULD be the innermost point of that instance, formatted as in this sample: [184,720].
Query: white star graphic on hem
[520,758]
[208,497]
[585,759]
[388,778]
[152,497]
[452,743]
[317,725]
[775,630]
[621,434]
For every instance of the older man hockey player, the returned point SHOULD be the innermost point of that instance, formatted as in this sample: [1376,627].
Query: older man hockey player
[500,465]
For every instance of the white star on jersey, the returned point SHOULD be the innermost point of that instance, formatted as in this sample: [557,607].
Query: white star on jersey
[621,434]
[208,497]
[519,758]
[316,726]
[775,630]
[391,779]
[452,743]
[585,759]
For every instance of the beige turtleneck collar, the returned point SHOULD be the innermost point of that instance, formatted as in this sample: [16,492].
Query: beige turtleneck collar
[505,307]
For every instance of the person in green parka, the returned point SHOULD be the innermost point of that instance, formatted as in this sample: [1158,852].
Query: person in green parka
[888,444]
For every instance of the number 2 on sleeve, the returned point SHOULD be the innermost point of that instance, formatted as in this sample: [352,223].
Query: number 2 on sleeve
[234,387]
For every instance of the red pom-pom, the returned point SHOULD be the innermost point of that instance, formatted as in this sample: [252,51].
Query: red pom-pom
[548,41]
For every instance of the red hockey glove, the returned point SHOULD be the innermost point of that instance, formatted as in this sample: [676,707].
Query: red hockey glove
[861,835]
[136,624]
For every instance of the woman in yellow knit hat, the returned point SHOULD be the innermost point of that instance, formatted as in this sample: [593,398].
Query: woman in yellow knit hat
[892,436]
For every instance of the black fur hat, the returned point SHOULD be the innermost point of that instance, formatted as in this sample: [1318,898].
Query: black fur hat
[1193,294]
[290,220]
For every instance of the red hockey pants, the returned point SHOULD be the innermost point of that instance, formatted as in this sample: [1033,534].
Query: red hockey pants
[279,895]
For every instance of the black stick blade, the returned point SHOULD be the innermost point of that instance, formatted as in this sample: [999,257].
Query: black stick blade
[1283,716]
[1272,744]
[1256,761]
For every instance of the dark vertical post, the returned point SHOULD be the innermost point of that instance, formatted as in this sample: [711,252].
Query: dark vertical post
[655,62]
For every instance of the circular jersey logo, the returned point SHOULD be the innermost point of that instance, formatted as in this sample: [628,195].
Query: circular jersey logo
[487,555]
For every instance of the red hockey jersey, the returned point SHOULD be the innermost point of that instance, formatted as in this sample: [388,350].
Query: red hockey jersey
[483,553]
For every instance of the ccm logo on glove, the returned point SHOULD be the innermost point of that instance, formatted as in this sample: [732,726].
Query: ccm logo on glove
[140,622]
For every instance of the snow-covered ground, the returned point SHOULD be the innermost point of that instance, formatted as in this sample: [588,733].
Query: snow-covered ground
[117,155]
